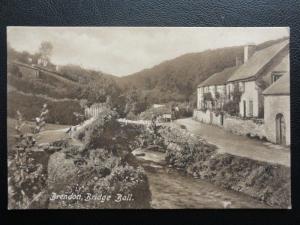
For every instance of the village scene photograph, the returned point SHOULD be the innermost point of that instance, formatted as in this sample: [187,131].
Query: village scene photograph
[148,117]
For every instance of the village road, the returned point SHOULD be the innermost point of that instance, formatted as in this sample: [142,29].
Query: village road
[238,145]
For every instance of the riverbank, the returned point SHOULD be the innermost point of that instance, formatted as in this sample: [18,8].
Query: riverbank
[266,182]
[175,189]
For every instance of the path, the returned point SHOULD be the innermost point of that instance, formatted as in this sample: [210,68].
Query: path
[48,136]
[238,145]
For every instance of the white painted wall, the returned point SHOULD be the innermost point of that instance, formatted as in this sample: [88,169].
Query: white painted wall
[250,94]
[275,104]
[207,117]
[212,89]
[199,97]
[229,90]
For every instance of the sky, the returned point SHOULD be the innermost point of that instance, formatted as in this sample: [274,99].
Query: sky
[122,51]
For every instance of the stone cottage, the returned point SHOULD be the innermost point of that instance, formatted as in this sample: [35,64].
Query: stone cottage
[277,111]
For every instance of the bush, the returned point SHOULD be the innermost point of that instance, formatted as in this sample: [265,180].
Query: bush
[131,116]
[26,174]
[97,172]
[264,181]
[232,108]
[154,112]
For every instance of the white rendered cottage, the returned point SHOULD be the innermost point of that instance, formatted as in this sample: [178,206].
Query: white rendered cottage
[214,88]
[257,73]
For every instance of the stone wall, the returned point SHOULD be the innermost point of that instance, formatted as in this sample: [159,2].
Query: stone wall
[208,117]
[253,128]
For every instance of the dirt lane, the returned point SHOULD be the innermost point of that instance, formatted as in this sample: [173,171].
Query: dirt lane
[238,145]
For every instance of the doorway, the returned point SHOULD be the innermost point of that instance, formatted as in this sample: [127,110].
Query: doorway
[244,103]
[222,119]
[280,129]
[250,108]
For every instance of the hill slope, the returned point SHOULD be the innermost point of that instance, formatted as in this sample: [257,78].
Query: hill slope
[177,79]
[29,87]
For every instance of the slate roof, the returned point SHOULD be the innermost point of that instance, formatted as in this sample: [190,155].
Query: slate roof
[219,78]
[257,61]
[279,87]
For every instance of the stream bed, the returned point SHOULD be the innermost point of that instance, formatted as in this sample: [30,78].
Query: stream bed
[173,189]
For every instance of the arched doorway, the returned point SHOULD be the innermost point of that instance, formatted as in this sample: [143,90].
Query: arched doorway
[280,129]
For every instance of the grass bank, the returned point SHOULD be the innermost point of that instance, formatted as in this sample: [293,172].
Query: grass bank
[267,182]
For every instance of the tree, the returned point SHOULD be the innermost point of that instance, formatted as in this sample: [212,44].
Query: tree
[46,49]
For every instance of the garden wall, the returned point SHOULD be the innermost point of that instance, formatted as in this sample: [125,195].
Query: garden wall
[253,128]
[208,117]
[236,125]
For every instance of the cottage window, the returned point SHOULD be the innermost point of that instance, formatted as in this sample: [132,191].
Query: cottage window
[276,75]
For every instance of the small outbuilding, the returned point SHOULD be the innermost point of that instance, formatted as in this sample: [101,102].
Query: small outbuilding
[277,111]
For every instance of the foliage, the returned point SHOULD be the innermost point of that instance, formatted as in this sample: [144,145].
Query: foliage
[14,70]
[236,95]
[135,103]
[177,79]
[231,107]
[41,120]
[98,172]
[217,95]
[46,49]
[27,177]
[61,111]
[207,96]
[103,166]
[185,109]
[157,112]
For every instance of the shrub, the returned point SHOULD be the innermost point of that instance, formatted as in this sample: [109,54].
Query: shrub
[26,176]
[131,116]
[231,107]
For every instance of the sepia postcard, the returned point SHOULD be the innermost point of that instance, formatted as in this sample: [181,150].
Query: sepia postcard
[148,117]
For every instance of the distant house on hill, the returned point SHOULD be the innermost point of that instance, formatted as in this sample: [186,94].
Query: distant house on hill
[28,71]
[277,110]
[42,61]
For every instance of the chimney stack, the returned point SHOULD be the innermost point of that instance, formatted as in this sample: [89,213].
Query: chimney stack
[249,50]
